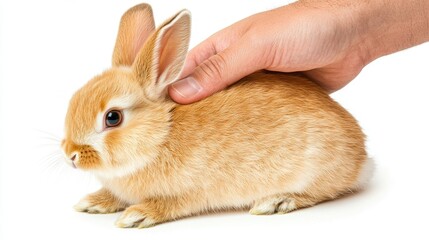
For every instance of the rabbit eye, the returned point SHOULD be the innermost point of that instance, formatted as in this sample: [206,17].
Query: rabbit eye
[113,118]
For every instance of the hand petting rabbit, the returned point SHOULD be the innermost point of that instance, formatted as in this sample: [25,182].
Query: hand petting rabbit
[271,143]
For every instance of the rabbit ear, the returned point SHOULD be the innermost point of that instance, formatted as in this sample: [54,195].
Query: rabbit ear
[161,60]
[136,25]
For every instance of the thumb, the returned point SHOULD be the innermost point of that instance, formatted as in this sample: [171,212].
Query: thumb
[215,74]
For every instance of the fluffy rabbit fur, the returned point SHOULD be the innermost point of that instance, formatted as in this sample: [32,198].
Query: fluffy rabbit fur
[271,143]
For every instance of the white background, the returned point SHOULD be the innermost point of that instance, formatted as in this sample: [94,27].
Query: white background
[51,48]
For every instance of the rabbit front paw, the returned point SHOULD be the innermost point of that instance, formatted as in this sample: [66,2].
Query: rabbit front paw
[152,211]
[138,216]
[101,201]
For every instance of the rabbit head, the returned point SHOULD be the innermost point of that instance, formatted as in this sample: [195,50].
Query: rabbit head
[116,123]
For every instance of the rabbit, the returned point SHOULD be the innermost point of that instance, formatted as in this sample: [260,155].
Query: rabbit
[271,143]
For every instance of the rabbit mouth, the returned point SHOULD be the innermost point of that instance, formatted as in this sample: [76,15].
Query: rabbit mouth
[81,156]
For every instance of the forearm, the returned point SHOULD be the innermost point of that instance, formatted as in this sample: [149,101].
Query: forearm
[374,28]
[388,26]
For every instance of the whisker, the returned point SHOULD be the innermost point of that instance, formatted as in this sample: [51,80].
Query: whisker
[52,140]
[51,161]
[53,166]
[47,139]
[50,156]
[50,135]
[56,145]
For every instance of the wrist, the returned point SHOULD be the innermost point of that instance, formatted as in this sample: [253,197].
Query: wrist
[386,27]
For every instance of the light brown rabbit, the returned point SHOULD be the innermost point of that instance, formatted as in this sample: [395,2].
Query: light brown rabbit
[271,143]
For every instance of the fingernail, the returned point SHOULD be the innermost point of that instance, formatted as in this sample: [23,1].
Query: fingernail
[187,87]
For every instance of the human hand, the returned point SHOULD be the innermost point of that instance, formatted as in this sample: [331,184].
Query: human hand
[328,41]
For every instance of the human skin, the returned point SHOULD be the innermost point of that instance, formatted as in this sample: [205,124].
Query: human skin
[329,41]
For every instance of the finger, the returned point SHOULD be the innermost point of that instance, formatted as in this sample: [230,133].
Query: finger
[197,55]
[216,43]
[217,72]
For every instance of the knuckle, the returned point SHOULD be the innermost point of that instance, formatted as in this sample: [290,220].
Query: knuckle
[214,69]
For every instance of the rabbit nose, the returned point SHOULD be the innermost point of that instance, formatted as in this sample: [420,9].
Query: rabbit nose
[73,157]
